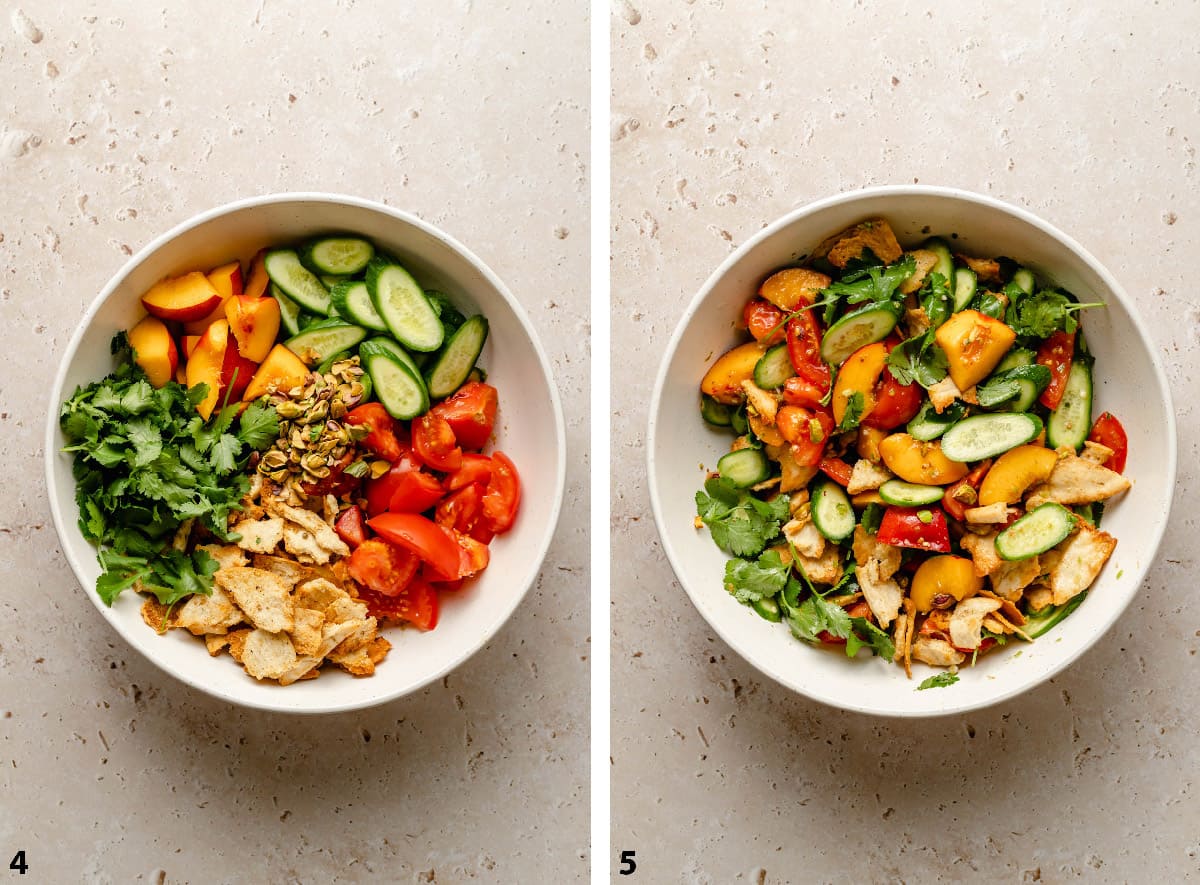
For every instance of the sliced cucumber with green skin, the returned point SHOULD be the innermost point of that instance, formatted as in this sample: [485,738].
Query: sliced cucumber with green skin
[1014,389]
[1036,532]
[910,494]
[831,511]
[401,302]
[773,368]
[1071,422]
[456,360]
[329,280]
[395,350]
[986,436]
[320,340]
[1023,279]
[738,421]
[338,256]
[353,302]
[767,608]
[1039,622]
[965,284]
[297,281]
[1018,356]
[450,315]
[928,425]
[289,311]
[396,386]
[945,262]
[744,468]
[856,329]
[328,362]
[715,413]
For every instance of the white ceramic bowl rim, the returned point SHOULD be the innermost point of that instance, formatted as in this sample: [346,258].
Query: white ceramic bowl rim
[849,703]
[501,615]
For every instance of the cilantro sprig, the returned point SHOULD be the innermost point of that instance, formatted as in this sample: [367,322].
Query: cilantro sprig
[739,522]
[1046,312]
[940,680]
[145,463]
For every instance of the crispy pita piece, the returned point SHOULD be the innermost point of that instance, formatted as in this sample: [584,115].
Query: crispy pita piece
[302,544]
[318,594]
[322,533]
[805,537]
[910,608]
[306,667]
[765,404]
[288,569]
[214,613]
[847,245]
[329,507]
[943,394]
[1012,578]
[362,661]
[986,269]
[1007,607]
[226,555]
[936,652]
[345,609]
[1039,597]
[334,633]
[996,513]
[263,596]
[925,261]
[237,642]
[157,616]
[1082,556]
[182,535]
[268,655]
[367,631]
[260,536]
[994,624]
[983,552]
[214,642]
[793,476]
[867,476]
[966,621]
[1076,480]
[306,633]
[877,563]
[823,569]
[1009,626]
[899,631]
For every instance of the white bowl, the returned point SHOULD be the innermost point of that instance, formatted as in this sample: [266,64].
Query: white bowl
[529,429]
[1129,382]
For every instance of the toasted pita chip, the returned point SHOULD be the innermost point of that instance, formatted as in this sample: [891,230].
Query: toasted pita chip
[867,476]
[910,609]
[983,552]
[157,615]
[1011,627]
[936,652]
[260,536]
[306,633]
[966,621]
[262,595]
[237,642]
[362,661]
[226,555]
[368,630]
[182,535]
[805,537]
[1082,557]
[1007,607]
[1013,577]
[898,633]
[322,534]
[329,506]
[344,609]
[214,613]
[291,571]
[268,655]
[304,668]
[1076,480]
[214,642]
[1039,597]
[318,594]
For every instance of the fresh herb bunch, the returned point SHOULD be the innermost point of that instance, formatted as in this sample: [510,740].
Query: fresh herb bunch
[145,463]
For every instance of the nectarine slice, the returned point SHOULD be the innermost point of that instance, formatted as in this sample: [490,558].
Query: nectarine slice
[281,368]
[227,280]
[254,322]
[256,285]
[186,298]
[154,350]
[206,365]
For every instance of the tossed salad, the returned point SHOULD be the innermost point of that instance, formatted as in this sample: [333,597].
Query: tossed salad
[914,468]
[282,463]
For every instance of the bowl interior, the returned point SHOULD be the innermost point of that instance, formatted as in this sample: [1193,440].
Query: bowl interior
[1129,382]
[529,429]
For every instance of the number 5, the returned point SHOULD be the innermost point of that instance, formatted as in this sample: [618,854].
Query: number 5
[628,864]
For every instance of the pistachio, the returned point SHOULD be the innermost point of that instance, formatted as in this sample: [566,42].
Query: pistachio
[319,412]
[379,468]
[288,409]
[942,600]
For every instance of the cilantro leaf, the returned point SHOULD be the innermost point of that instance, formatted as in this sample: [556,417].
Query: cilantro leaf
[867,635]
[740,523]
[989,304]
[918,359]
[752,581]
[815,616]
[855,405]
[259,425]
[940,680]
[1046,312]
[872,517]
[223,455]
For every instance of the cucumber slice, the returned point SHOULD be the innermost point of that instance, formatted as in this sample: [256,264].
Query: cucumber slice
[1071,422]
[1036,532]
[297,281]
[910,494]
[986,436]
[773,368]
[289,311]
[858,329]
[767,608]
[337,256]
[928,425]
[396,386]
[738,421]
[456,360]
[965,284]
[320,340]
[353,302]
[1018,356]
[1022,278]
[450,315]
[398,352]
[1015,389]
[744,468]
[945,262]
[831,511]
[715,413]
[1039,622]
[329,280]
[407,312]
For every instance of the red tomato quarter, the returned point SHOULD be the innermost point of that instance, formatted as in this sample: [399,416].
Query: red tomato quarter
[503,495]
[418,604]
[421,536]
[435,444]
[837,470]
[385,568]
[379,491]
[471,413]
[804,350]
[1108,432]
[382,439]
[460,509]
[350,527]
[1056,354]
[475,468]
[904,527]
[415,492]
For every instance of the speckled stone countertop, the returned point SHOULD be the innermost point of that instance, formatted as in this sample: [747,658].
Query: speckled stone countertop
[121,120]
[727,115]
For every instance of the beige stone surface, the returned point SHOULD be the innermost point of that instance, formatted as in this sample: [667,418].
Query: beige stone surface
[725,116]
[122,119]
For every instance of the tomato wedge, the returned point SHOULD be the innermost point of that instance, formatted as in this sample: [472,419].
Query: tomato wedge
[503,495]
[471,413]
[385,568]
[1056,354]
[798,392]
[473,557]
[1108,432]
[807,430]
[895,403]
[421,536]
[837,470]
[905,527]
[804,350]
[764,320]
[382,439]
[475,468]
[415,492]
[350,527]
[974,479]
[460,509]
[379,491]
[417,604]
[434,443]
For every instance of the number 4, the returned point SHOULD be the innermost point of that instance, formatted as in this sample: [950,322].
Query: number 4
[628,864]
[18,863]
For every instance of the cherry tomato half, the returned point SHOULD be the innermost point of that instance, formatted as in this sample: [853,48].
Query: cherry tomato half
[415,492]
[804,350]
[421,536]
[350,527]
[434,443]
[1056,354]
[905,527]
[383,567]
[503,495]
[382,439]
[471,413]
[1108,432]
[764,320]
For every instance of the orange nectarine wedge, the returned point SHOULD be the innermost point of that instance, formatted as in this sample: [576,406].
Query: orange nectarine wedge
[254,322]
[154,350]
[186,298]
[206,364]
[281,368]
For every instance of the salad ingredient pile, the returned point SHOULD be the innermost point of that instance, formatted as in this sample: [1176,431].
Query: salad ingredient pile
[915,469]
[282,464]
